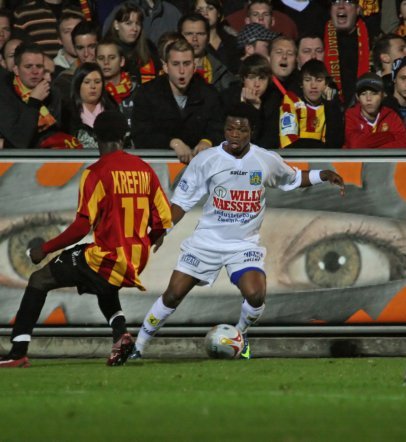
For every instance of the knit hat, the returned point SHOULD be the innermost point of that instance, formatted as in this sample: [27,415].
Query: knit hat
[369,81]
[397,65]
[253,32]
[110,126]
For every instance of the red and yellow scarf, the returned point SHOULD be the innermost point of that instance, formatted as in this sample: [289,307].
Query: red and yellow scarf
[401,30]
[121,90]
[45,119]
[84,6]
[148,72]
[205,71]
[332,58]
[369,7]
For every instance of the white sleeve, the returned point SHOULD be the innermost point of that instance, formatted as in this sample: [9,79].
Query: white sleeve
[191,187]
[292,184]
[282,175]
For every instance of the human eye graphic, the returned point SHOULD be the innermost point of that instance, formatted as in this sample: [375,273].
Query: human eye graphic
[345,261]
[15,266]
[336,251]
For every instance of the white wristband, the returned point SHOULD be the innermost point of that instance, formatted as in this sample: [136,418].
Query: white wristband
[314,177]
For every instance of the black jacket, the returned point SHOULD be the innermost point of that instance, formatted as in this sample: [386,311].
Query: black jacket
[19,120]
[156,117]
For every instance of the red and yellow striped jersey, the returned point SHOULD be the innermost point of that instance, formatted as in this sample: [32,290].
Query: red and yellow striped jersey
[123,198]
[300,120]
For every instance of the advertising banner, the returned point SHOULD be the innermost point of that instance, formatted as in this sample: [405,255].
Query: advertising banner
[331,260]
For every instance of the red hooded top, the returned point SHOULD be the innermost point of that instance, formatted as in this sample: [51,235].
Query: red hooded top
[388,131]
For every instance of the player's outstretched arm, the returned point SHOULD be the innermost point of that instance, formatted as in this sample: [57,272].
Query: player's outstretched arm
[74,233]
[313,177]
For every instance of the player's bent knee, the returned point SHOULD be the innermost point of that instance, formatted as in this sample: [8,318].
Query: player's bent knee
[42,280]
[255,297]
[172,299]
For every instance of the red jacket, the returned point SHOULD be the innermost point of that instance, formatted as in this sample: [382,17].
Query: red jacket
[388,131]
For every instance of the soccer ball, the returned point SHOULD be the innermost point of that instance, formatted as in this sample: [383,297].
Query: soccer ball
[224,342]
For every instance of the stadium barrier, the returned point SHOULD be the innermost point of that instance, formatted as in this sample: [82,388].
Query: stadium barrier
[333,265]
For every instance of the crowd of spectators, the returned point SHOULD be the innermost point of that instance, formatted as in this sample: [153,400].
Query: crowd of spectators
[317,73]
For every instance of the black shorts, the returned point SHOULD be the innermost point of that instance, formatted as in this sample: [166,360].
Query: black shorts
[70,269]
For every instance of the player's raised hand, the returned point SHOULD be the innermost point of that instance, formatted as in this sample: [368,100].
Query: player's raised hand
[333,178]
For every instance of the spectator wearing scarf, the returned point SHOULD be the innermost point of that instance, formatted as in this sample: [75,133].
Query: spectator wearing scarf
[346,44]
[119,84]
[29,107]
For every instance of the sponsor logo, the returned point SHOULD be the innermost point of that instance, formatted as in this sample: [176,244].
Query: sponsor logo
[253,256]
[153,320]
[238,172]
[183,185]
[75,255]
[58,259]
[256,177]
[220,191]
[288,124]
[248,201]
[188,258]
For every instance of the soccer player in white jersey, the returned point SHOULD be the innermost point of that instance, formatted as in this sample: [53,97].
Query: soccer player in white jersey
[234,176]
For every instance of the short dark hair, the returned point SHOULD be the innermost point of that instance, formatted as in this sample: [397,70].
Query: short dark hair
[282,38]
[12,37]
[8,14]
[68,15]
[310,35]
[315,68]
[255,64]
[108,41]
[26,48]
[243,110]
[85,28]
[195,18]
[381,46]
[110,126]
[254,2]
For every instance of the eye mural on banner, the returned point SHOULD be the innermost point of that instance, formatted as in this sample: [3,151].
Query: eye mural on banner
[330,260]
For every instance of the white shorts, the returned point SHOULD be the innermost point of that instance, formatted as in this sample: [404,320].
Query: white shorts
[205,265]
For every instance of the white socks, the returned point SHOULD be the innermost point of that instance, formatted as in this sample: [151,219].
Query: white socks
[153,321]
[159,313]
[248,316]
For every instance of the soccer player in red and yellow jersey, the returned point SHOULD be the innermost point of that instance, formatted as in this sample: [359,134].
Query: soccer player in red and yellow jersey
[122,201]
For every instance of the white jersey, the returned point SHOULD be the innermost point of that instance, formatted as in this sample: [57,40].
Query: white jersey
[235,207]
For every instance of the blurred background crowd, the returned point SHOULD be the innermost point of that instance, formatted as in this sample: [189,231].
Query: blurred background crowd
[317,73]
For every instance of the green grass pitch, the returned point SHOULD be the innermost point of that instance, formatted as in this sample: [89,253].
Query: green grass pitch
[205,400]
